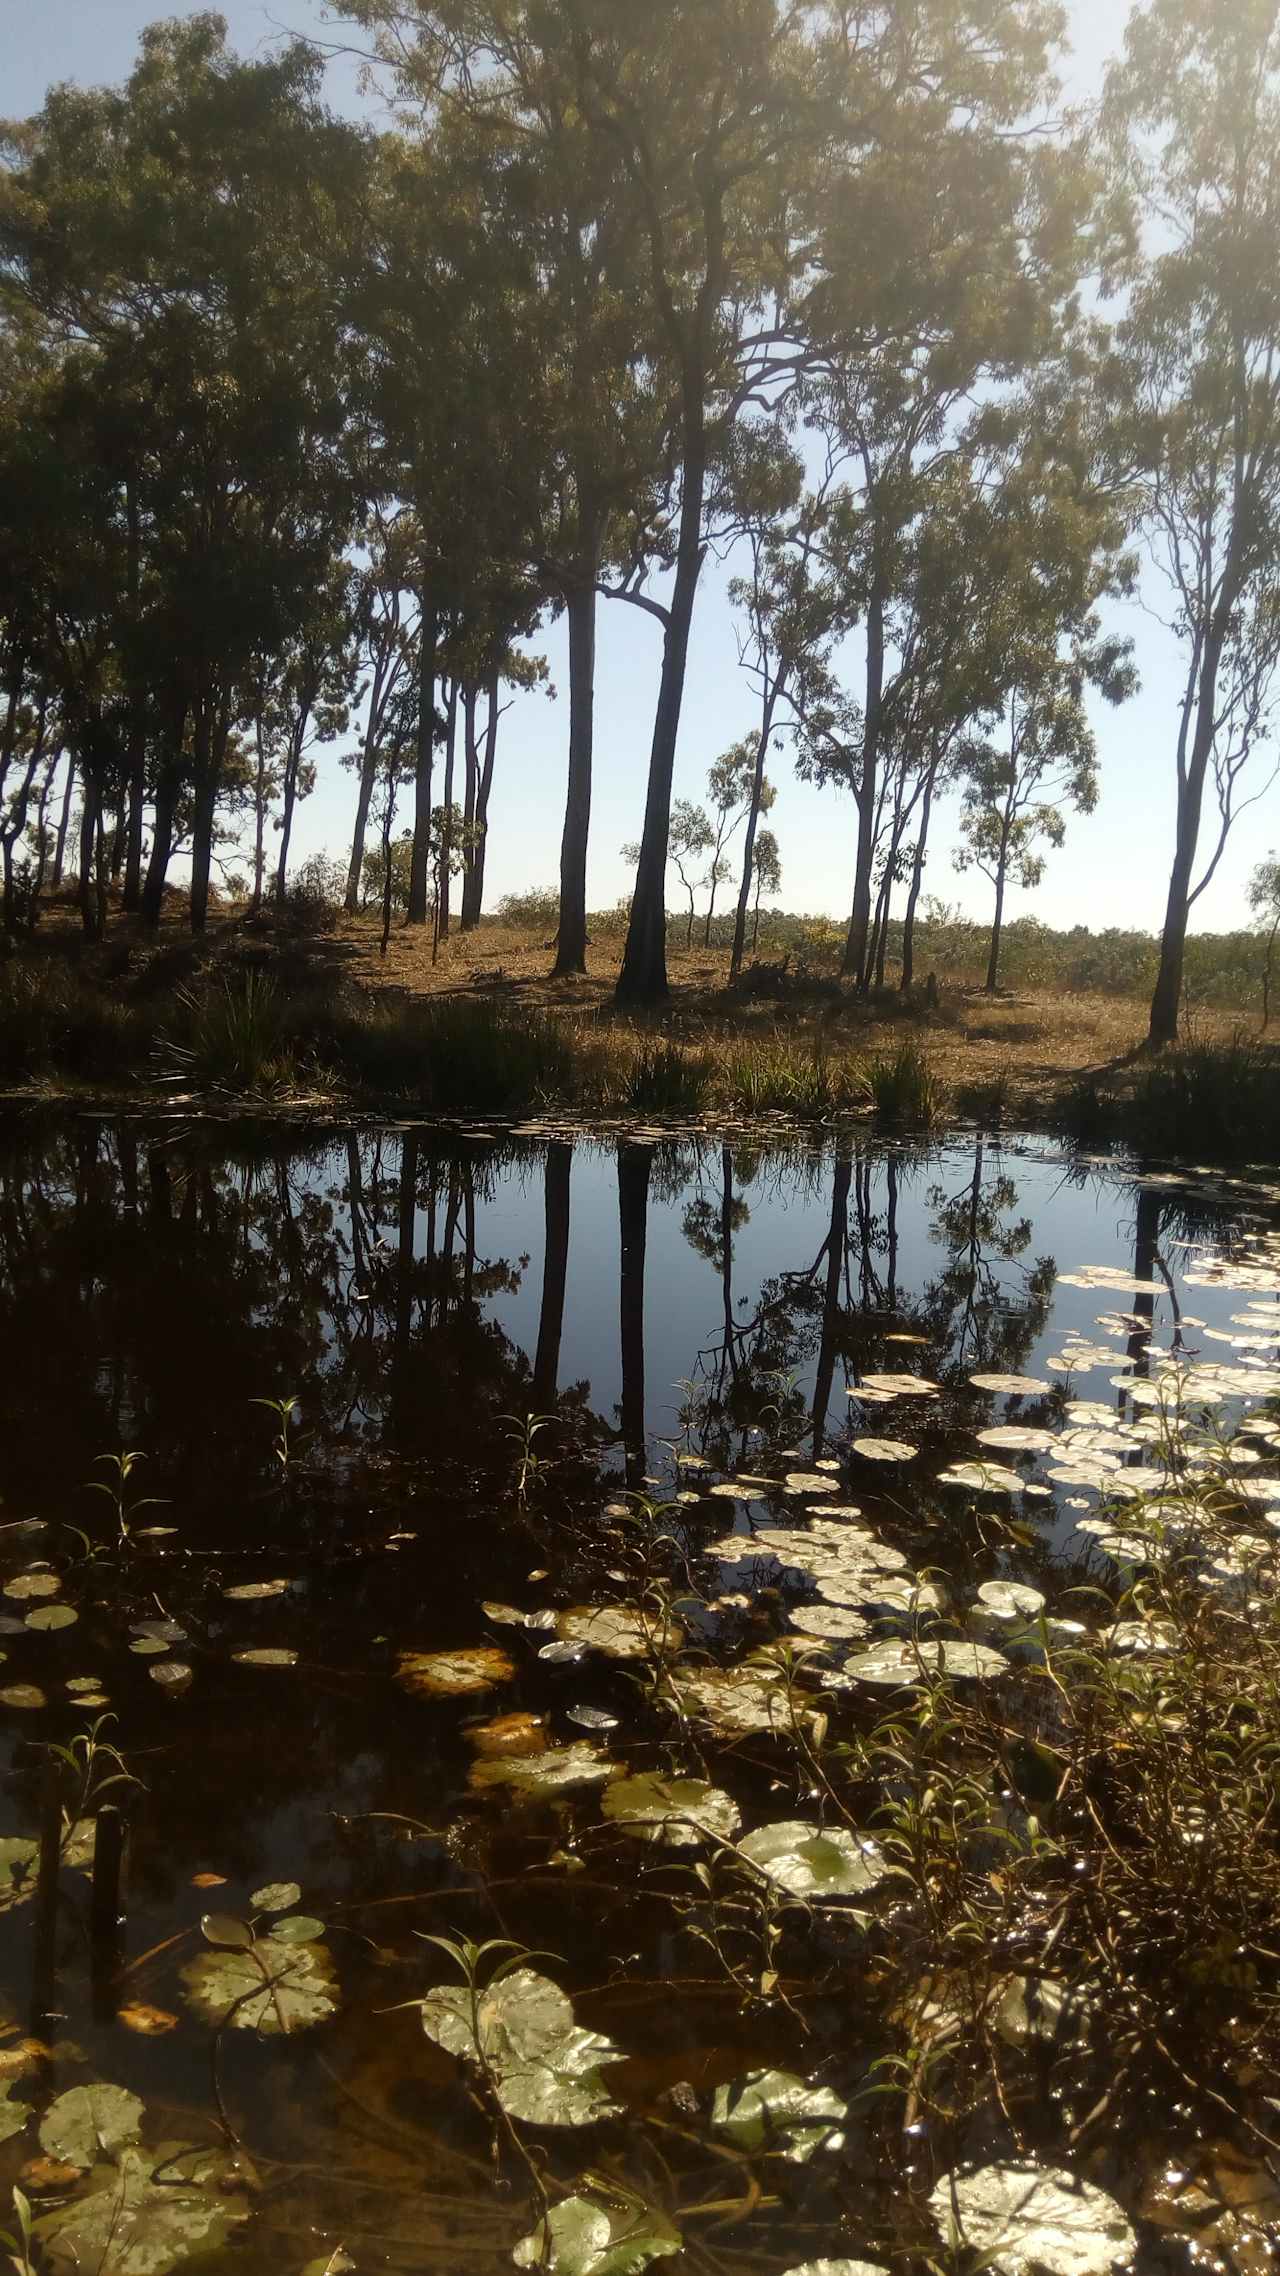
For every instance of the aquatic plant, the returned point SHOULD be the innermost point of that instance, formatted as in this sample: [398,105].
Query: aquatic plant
[904,1089]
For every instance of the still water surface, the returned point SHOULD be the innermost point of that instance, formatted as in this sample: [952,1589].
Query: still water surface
[671,1315]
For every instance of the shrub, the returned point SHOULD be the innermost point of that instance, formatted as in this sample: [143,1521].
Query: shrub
[665,1079]
[537,910]
[905,1091]
[312,898]
[231,1034]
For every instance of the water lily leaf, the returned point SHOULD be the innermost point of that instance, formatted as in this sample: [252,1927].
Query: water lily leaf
[982,1478]
[902,1386]
[160,1631]
[25,1585]
[149,2022]
[582,2237]
[736,1700]
[89,2123]
[815,1862]
[1025,2218]
[885,1450]
[591,1718]
[829,1620]
[246,1592]
[916,1660]
[157,2210]
[297,1928]
[274,1987]
[149,1647]
[24,1696]
[506,1735]
[1018,1438]
[47,1617]
[13,2115]
[675,1812]
[545,2068]
[836,2268]
[276,1896]
[620,1631]
[560,1653]
[1008,1603]
[172,1675]
[226,1931]
[1012,1386]
[270,1655]
[808,1482]
[774,2110]
[476,1667]
[557,1770]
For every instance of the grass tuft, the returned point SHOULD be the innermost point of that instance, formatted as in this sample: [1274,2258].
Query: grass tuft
[906,1092]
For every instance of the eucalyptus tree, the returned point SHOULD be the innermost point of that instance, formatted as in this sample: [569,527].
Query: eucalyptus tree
[386,625]
[1193,109]
[182,240]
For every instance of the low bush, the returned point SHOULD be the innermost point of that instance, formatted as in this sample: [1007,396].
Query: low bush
[906,1092]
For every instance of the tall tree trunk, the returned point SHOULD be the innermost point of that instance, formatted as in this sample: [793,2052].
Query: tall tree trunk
[634,1165]
[555,1264]
[776,690]
[161,842]
[643,978]
[470,771]
[292,764]
[917,878]
[580,603]
[855,964]
[1167,997]
[364,797]
[137,796]
[90,805]
[446,834]
[64,822]
[259,812]
[484,791]
[136,755]
[204,803]
[997,921]
[420,864]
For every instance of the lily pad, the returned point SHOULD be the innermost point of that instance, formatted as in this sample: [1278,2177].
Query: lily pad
[829,1620]
[1027,2218]
[737,1699]
[298,1928]
[544,2067]
[982,1478]
[1018,1438]
[26,1697]
[675,1812]
[24,1585]
[808,1482]
[774,2110]
[557,1770]
[836,2268]
[618,1630]
[89,2123]
[885,1450]
[915,1661]
[815,1862]
[155,2211]
[13,2115]
[1011,1386]
[247,1592]
[48,1617]
[583,2237]
[274,1987]
[476,1667]
[270,1655]
[276,1896]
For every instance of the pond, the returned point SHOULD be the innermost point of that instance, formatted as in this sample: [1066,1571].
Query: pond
[635,1699]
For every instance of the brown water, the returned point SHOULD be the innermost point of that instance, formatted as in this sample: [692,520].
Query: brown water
[420,1299]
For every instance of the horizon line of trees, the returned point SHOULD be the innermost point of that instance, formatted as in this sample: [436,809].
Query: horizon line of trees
[306,429]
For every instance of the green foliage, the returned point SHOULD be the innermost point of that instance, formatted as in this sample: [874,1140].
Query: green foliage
[231,1034]
[664,1078]
[905,1091]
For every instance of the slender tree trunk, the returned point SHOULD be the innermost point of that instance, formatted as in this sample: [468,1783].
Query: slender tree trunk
[997,923]
[292,764]
[755,922]
[446,834]
[1167,997]
[555,1264]
[89,830]
[855,965]
[634,1165]
[64,822]
[136,754]
[419,869]
[643,978]
[470,770]
[917,880]
[161,843]
[581,603]
[259,813]
[203,804]
[776,690]
[484,790]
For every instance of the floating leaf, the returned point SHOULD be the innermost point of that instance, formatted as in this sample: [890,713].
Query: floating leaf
[591,1718]
[582,2237]
[675,1812]
[268,1656]
[774,2110]
[13,2115]
[815,1862]
[808,1482]
[1018,1438]
[620,1631]
[47,1617]
[89,2123]
[246,1591]
[836,2268]
[273,1987]
[1008,1602]
[275,1896]
[25,1585]
[1012,1386]
[561,1654]
[902,1386]
[160,1631]
[24,1696]
[916,1660]
[557,1770]
[885,1450]
[159,2209]
[149,2022]
[476,1667]
[149,1647]
[297,1928]
[171,1675]
[225,1930]
[509,1734]
[545,2068]
[829,1620]
[982,1478]
[1025,2218]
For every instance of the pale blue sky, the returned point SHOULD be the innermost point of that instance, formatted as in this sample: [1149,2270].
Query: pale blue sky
[1114,867]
